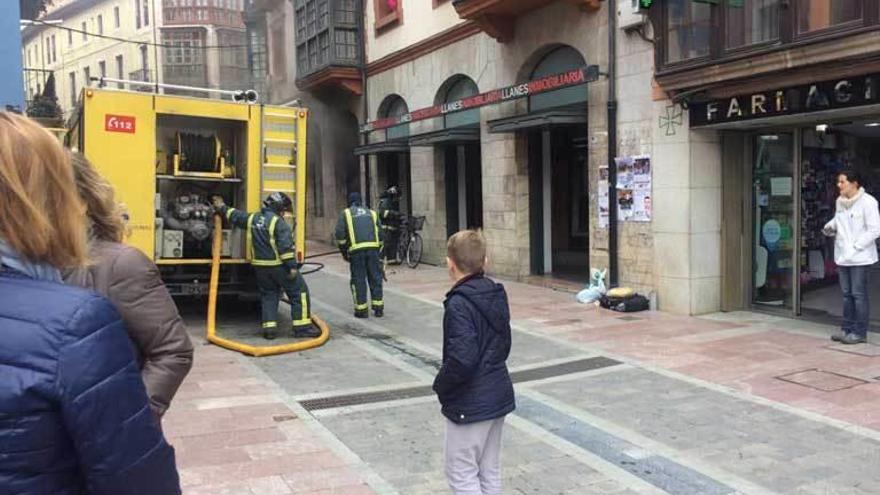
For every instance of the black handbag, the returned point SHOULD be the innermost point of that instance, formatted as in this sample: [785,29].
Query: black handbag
[629,304]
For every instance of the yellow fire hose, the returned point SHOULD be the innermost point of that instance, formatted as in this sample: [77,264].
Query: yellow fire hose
[256,351]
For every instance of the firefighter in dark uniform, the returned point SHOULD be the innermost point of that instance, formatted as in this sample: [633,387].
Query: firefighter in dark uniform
[359,236]
[270,243]
[389,214]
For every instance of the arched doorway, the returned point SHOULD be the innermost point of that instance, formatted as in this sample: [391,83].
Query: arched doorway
[393,167]
[558,170]
[460,142]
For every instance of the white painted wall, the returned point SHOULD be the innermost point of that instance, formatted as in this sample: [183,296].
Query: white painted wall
[420,21]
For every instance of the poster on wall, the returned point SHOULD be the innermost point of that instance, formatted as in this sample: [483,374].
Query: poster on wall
[634,201]
[603,197]
[625,185]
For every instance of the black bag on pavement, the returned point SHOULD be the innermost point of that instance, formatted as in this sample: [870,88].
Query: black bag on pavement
[629,304]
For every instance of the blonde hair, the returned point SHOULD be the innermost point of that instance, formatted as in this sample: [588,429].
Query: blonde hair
[105,215]
[467,249]
[42,215]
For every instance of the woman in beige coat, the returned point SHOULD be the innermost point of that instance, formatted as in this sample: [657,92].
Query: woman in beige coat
[133,284]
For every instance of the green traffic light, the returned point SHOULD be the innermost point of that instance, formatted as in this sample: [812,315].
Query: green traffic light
[646,3]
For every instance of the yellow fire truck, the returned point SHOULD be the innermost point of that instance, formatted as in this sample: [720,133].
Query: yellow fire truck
[167,155]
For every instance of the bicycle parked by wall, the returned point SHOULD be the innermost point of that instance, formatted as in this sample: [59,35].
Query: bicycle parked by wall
[409,246]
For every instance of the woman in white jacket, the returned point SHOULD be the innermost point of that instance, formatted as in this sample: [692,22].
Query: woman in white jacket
[855,227]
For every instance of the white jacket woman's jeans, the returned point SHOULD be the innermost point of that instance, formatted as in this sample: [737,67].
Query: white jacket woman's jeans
[856,226]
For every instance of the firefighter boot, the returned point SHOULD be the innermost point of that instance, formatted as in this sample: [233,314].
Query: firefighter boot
[379,311]
[306,332]
[361,313]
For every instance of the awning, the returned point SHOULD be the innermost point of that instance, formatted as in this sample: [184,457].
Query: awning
[395,146]
[544,118]
[455,135]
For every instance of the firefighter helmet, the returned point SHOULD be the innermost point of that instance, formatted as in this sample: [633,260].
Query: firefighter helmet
[278,202]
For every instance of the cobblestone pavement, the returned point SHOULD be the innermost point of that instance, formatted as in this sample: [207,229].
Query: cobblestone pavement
[607,403]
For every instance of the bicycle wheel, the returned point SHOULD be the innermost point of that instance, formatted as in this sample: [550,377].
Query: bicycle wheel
[414,251]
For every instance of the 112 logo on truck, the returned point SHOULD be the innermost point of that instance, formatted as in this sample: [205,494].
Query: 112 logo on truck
[119,123]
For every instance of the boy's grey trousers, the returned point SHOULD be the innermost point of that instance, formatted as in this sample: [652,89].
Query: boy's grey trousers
[473,457]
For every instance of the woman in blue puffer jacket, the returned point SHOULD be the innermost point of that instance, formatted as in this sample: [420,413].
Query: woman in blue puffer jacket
[74,415]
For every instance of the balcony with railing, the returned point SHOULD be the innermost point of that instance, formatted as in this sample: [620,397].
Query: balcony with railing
[497,18]
[328,44]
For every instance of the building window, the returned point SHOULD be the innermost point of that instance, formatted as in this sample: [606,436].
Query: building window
[185,47]
[100,24]
[145,61]
[817,15]
[87,76]
[69,39]
[751,22]
[117,22]
[85,31]
[257,51]
[388,13]
[137,13]
[72,76]
[146,13]
[707,31]
[102,69]
[688,30]
[120,70]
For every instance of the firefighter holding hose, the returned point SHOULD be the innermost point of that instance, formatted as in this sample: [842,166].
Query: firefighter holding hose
[270,243]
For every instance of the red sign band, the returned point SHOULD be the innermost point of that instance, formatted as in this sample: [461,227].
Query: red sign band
[570,78]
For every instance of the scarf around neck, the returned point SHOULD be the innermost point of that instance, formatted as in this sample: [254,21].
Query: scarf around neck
[38,271]
[847,203]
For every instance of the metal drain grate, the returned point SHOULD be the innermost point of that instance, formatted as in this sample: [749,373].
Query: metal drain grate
[333,402]
[366,398]
[568,368]
[826,381]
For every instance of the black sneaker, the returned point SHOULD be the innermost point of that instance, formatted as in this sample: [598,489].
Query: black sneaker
[379,312]
[362,313]
[852,338]
[838,336]
[306,332]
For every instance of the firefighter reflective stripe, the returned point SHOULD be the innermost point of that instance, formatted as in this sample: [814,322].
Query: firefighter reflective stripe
[350,225]
[355,245]
[288,256]
[272,224]
[304,308]
[270,324]
[378,304]
[229,213]
[272,262]
[358,307]
[376,228]
[250,237]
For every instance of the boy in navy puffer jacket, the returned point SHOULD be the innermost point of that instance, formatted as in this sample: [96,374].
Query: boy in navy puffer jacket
[473,383]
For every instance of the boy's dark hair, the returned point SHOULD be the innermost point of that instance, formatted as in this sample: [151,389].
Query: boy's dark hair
[467,249]
[851,176]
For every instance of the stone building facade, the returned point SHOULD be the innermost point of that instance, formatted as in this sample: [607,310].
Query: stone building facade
[418,69]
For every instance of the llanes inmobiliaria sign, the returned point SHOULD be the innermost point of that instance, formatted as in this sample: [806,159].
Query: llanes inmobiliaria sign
[567,79]
[826,95]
